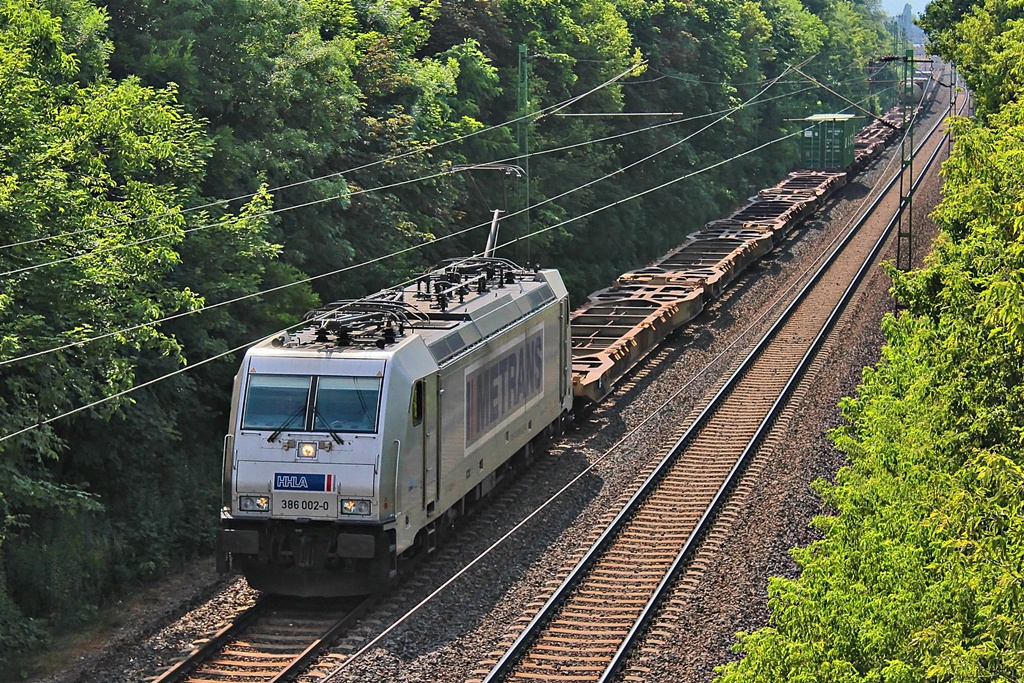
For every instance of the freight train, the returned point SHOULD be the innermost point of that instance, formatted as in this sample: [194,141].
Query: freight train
[619,325]
[355,442]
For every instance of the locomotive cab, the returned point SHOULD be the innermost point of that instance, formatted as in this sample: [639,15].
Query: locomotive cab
[315,446]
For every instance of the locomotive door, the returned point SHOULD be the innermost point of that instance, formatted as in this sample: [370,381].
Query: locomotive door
[431,452]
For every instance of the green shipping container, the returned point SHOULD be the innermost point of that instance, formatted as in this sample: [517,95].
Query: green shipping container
[828,141]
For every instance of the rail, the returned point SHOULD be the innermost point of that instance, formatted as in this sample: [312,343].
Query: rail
[292,638]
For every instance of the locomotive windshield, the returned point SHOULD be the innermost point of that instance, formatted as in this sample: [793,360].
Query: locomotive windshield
[346,404]
[276,402]
[341,404]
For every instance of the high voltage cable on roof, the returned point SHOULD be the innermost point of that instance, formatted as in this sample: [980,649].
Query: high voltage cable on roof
[179,371]
[356,193]
[202,309]
[336,174]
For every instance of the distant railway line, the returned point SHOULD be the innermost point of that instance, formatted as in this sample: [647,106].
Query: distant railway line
[590,624]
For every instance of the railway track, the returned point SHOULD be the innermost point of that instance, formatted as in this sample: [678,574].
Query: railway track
[590,623]
[275,640]
[278,643]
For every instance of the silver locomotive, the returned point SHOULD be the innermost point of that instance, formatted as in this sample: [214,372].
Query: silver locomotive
[356,440]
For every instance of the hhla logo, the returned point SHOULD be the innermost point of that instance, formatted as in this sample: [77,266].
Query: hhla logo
[291,481]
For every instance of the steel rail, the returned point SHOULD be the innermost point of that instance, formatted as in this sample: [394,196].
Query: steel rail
[221,638]
[518,648]
[241,624]
[299,664]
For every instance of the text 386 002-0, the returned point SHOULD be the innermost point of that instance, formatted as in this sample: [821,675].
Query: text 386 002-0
[305,505]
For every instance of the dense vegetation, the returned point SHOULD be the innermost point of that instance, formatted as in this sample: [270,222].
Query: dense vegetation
[116,122]
[920,575]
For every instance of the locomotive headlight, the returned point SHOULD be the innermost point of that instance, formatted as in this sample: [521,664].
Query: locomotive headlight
[355,507]
[307,449]
[254,503]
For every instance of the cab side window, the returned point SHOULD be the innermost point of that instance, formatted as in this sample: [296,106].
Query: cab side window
[417,403]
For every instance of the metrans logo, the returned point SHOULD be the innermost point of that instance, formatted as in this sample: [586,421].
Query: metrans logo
[284,481]
[504,386]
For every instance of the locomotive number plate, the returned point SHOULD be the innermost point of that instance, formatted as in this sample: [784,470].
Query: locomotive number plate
[305,505]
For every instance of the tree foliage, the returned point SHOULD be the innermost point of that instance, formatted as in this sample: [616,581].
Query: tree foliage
[95,173]
[295,90]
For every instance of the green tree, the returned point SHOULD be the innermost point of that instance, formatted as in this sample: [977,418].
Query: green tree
[295,90]
[939,19]
[95,173]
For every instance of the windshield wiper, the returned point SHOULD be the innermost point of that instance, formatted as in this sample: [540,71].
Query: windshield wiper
[277,432]
[327,427]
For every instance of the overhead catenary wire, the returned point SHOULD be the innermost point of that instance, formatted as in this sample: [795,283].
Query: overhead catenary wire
[223,354]
[362,264]
[221,202]
[691,79]
[842,97]
[336,174]
[653,189]
[355,193]
[676,113]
